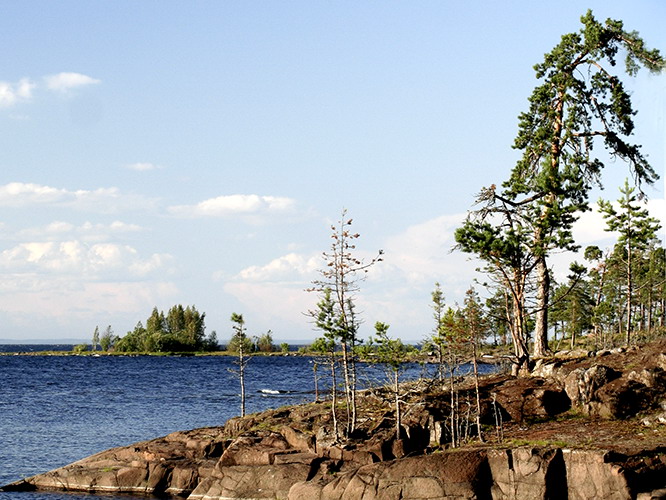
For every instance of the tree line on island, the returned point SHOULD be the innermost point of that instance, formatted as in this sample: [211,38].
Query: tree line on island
[180,330]
[616,297]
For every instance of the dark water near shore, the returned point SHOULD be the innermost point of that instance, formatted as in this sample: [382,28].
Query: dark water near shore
[58,409]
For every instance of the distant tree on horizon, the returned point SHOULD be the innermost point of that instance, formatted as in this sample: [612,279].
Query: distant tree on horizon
[265,342]
[182,329]
[107,339]
[95,338]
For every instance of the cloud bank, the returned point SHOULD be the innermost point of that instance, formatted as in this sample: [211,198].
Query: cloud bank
[84,260]
[101,200]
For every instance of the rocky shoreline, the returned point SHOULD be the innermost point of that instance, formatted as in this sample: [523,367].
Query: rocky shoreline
[588,427]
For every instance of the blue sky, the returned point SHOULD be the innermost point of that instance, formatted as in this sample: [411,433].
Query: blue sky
[195,153]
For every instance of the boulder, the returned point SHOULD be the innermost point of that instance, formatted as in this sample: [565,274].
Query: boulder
[259,449]
[526,398]
[654,378]
[622,398]
[582,383]
[298,440]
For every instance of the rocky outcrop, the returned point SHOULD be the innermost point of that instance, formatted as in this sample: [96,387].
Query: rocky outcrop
[203,464]
[599,389]
[459,475]
[292,454]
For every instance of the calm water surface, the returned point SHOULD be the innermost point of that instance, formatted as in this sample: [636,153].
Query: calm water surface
[55,410]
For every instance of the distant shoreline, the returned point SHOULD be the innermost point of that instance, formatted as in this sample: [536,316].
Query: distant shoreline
[48,352]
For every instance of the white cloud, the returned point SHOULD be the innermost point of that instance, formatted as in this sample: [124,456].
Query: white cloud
[236,204]
[124,227]
[423,252]
[103,200]
[291,267]
[143,166]
[62,82]
[590,228]
[12,93]
[59,227]
[84,260]
[273,303]
[87,231]
[396,291]
[19,194]
[38,303]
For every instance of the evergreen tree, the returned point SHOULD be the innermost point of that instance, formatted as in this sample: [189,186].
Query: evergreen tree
[437,337]
[579,101]
[211,343]
[393,354]
[573,306]
[95,338]
[265,342]
[107,339]
[496,319]
[325,347]
[182,329]
[636,231]
[240,333]
[340,278]
[475,328]
[597,279]
[499,234]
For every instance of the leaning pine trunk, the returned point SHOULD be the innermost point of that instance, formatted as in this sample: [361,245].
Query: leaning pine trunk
[518,332]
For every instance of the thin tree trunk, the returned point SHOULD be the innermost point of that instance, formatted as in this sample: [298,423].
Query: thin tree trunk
[629,293]
[316,381]
[454,434]
[476,387]
[398,416]
[348,396]
[352,388]
[334,398]
[241,376]
[597,303]
[541,348]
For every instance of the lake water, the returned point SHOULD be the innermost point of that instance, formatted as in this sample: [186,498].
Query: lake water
[55,410]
